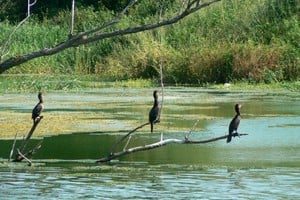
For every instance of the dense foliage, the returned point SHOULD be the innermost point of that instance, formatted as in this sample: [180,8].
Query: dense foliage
[250,40]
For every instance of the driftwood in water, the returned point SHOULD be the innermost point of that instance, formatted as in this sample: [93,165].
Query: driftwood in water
[161,143]
[127,135]
[22,154]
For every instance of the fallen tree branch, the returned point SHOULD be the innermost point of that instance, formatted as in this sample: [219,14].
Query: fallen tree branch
[125,136]
[30,153]
[19,157]
[160,144]
[13,147]
[24,157]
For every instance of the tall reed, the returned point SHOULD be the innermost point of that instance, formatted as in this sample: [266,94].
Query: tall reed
[251,40]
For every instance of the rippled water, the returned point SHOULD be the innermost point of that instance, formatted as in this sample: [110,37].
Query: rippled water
[262,165]
[144,181]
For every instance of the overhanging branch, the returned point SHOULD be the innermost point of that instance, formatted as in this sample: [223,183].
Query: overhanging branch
[94,35]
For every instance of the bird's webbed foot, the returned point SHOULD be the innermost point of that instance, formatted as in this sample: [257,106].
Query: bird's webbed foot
[236,134]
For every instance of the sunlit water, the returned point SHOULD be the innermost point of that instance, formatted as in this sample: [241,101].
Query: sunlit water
[262,165]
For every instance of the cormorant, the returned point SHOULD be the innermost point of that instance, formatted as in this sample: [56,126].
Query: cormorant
[37,110]
[154,112]
[234,124]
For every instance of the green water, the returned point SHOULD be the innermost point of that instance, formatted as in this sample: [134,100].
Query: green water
[262,165]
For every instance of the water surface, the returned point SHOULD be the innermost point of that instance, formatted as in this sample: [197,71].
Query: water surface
[262,165]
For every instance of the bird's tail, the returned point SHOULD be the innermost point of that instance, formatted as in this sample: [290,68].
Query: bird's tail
[229,137]
[151,124]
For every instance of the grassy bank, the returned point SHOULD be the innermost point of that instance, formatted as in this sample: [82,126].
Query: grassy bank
[11,83]
[72,83]
[253,41]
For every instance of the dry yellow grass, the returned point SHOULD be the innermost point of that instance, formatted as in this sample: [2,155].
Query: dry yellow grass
[54,124]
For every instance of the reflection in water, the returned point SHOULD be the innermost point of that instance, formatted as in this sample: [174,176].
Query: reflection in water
[262,165]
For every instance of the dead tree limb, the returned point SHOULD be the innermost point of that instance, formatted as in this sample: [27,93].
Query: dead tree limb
[13,148]
[127,135]
[96,34]
[24,157]
[192,129]
[4,49]
[30,153]
[24,143]
[160,144]
[72,18]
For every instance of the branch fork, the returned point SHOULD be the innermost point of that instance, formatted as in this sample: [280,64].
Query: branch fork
[21,154]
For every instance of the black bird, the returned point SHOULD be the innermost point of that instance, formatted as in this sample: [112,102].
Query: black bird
[37,110]
[234,124]
[154,112]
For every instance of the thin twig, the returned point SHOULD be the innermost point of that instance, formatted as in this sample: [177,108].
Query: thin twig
[13,147]
[6,44]
[125,136]
[162,136]
[34,150]
[129,138]
[113,21]
[72,18]
[192,129]
[24,157]
[161,75]
[29,5]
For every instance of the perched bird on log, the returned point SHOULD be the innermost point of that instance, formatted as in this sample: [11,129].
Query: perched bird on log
[234,124]
[154,112]
[37,110]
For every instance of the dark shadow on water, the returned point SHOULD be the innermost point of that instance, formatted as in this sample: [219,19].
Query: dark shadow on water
[245,151]
[82,146]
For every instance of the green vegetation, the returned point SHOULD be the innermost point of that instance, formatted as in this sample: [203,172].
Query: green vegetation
[12,83]
[253,41]
[35,82]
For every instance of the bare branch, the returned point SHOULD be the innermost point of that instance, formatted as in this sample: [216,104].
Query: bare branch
[22,156]
[114,21]
[29,5]
[19,157]
[162,90]
[192,129]
[129,138]
[5,46]
[13,148]
[72,17]
[125,136]
[85,37]
[30,153]
[160,144]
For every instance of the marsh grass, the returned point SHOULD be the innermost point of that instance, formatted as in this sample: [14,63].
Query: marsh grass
[253,41]
[16,83]
[56,82]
